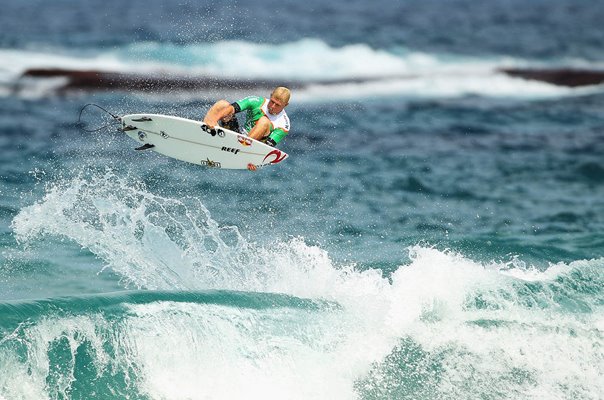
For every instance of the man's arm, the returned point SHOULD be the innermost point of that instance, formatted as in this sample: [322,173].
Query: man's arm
[276,136]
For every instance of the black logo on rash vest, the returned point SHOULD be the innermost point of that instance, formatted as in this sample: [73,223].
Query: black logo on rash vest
[286,120]
[230,149]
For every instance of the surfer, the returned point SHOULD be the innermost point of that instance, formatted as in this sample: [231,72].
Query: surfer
[266,119]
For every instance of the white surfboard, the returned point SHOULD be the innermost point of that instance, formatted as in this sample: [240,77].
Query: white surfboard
[197,143]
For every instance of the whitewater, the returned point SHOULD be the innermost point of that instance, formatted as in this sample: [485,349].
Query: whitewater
[286,320]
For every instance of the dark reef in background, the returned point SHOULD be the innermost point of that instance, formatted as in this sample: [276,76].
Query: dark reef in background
[91,80]
[559,76]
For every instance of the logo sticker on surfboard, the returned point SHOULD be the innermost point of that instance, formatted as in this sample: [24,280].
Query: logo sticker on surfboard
[279,156]
[210,164]
[245,141]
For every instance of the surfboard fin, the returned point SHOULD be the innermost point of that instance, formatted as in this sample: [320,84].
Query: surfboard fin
[146,146]
[129,128]
[142,119]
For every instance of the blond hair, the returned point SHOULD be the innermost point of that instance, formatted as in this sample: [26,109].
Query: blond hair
[282,93]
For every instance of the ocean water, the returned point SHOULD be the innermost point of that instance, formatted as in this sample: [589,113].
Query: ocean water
[437,232]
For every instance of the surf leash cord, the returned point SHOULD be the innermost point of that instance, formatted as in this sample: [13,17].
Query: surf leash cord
[117,118]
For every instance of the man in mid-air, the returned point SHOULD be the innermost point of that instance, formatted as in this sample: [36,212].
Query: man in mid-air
[266,119]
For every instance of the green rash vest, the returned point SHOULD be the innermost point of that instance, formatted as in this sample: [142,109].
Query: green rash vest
[257,107]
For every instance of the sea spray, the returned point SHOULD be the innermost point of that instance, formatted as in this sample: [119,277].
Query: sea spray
[157,242]
[152,241]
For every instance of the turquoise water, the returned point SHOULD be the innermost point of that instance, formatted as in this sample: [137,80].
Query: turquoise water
[435,233]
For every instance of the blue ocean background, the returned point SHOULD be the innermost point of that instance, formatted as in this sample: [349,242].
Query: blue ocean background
[436,232]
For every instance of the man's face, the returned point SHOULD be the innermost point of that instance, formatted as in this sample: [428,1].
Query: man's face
[275,106]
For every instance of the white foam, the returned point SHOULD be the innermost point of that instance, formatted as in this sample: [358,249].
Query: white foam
[310,59]
[479,321]
[275,353]
[28,380]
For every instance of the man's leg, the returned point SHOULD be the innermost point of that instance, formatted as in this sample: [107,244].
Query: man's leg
[219,110]
[261,129]
[230,122]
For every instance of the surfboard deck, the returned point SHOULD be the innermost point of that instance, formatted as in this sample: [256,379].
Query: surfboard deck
[196,143]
